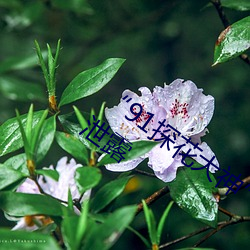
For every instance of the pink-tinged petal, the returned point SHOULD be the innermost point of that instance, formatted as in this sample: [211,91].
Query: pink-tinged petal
[189,110]
[59,189]
[129,129]
[48,185]
[197,138]
[29,187]
[126,165]
[207,153]
[163,164]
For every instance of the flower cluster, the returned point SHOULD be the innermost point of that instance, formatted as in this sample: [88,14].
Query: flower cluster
[58,189]
[184,107]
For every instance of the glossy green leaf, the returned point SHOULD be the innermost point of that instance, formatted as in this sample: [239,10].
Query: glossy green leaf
[20,204]
[193,192]
[46,137]
[108,193]
[233,41]
[18,162]
[9,175]
[71,124]
[90,81]
[139,148]
[105,235]
[10,136]
[73,146]
[19,90]
[87,177]
[16,240]
[241,5]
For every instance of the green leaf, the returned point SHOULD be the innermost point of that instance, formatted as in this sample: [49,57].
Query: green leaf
[241,5]
[8,176]
[20,204]
[151,223]
[46,137]
[19,90]
[108,193]
[90,81]
[78,6]
[74,228]
[87,177]
[53,174]
[105,235]
[37,131]
[73,146]
[82,223]
[10,136]
[162,221]
[139,148]
[19,63]
[18,162]
[69,230]
[16,240]
[193,192]
[233,41]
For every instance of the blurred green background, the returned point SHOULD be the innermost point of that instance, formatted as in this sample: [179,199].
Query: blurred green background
[162,41]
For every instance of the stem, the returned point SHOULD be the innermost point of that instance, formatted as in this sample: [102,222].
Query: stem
[144,173]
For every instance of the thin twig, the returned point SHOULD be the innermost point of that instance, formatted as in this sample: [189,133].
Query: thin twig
[226,23]
[152,198]
[234,220]
[204,229]
[224,211]
[222,191]
[144,173]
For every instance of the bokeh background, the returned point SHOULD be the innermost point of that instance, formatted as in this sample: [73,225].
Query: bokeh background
[161,41]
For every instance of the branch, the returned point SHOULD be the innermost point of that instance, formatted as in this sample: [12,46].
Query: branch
[235,220]
[226,23]
[204,229]
[222,191]
[152,198]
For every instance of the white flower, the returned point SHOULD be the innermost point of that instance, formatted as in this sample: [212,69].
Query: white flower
[182,106]
[58,189]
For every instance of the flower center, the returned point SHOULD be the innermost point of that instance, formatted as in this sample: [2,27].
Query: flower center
[179,109]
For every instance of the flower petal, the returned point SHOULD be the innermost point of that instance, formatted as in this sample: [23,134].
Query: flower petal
[126,165]
[188,109]
[29,187]
[161,161]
